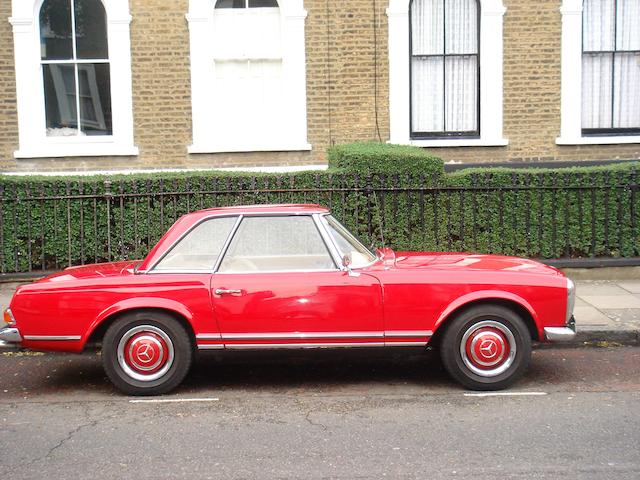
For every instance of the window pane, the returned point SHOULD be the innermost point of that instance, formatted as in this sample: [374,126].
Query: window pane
[95,98]
[427,22]
[60,100]
[461,26]
[628,25]
[231,4]
[263,4]
[200,248]
[277,244]
[55,30]
[348,245]
[596,90]
[626,109]
[598,20]
[427,94]
[91,30]
[462,91]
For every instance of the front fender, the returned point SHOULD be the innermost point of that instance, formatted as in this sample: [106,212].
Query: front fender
[139,303]
[487,295]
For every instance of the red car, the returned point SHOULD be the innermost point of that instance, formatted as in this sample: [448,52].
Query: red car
[291,276]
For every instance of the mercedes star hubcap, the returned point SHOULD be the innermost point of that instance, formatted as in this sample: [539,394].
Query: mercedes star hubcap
[488,348]
[145,353]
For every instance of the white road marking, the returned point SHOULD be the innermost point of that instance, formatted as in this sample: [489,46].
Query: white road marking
[174,400]
[505,394]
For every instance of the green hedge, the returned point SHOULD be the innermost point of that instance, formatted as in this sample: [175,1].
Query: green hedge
[383,158]
[48,223]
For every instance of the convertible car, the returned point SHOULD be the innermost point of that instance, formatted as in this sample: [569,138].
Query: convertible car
[291,277]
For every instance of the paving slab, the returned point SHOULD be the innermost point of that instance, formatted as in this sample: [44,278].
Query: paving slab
[591,316]
[612,301]
[600,289]
[631,286]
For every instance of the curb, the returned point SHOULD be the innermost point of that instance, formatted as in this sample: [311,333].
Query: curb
[622,337]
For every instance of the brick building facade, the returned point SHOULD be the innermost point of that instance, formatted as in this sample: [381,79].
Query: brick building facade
[347,85]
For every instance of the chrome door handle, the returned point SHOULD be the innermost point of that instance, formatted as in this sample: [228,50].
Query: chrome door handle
[223,291]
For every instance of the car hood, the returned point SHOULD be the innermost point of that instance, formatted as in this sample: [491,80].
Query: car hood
[449,261]
[96,270]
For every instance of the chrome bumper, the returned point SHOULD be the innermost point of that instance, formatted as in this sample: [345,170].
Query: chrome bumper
[10,335]
[561,334]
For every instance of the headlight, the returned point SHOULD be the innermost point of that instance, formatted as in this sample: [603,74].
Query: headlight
[8,318]
[571,299]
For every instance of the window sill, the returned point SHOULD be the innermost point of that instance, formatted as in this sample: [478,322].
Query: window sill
[94,149]
[460,142]
[205,148]
[612,140]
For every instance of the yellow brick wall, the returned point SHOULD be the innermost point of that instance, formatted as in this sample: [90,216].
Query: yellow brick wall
[343,95]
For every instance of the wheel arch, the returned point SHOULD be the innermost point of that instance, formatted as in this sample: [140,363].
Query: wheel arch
[511,301]
[106,318]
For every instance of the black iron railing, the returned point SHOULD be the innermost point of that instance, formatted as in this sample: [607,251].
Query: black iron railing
[539,216]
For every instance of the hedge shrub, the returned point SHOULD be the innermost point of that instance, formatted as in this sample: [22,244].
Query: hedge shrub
[374,157]
[48,223]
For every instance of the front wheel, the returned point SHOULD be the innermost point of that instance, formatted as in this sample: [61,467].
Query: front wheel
[146,353]
[487,347]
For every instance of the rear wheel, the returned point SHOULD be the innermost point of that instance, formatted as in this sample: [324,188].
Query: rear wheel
[146,353]
[487,347]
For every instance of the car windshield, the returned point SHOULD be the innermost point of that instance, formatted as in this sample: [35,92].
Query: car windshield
[348,245]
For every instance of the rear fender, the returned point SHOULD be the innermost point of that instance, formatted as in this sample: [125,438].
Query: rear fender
[138,303]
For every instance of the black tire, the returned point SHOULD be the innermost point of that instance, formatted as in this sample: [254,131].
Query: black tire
[135,341]
[474,347]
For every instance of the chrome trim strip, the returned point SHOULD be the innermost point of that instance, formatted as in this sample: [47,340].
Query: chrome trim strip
[208,336]
[258,272]
[10,335]
[408,333]
[300,336]
[43,338]
[267,346]
[559,334]
[405,344]
[211,347]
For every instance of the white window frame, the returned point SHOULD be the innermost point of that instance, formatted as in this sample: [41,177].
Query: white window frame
[33,141]
[201,27]
[491,16]
[571,83]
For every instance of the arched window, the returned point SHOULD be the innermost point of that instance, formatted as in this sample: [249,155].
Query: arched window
[75,67]
[248,75]
[445,99]
[79,103]
[445,72]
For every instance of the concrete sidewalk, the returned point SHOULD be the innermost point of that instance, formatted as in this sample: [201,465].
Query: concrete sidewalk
[605,311]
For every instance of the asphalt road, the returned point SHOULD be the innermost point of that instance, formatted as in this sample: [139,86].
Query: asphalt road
[348,415]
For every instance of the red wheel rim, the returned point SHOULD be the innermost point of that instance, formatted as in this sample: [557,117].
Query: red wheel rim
[488,348]
[145,352]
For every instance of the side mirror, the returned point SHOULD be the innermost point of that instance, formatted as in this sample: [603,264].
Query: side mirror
[346,263]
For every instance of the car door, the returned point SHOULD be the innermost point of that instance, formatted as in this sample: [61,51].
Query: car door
[278,286]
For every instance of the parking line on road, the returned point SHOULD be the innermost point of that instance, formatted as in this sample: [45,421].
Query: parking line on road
[505,394]
[173,400]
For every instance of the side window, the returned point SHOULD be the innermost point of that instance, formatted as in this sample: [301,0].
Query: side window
[200,248]
[277,244]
